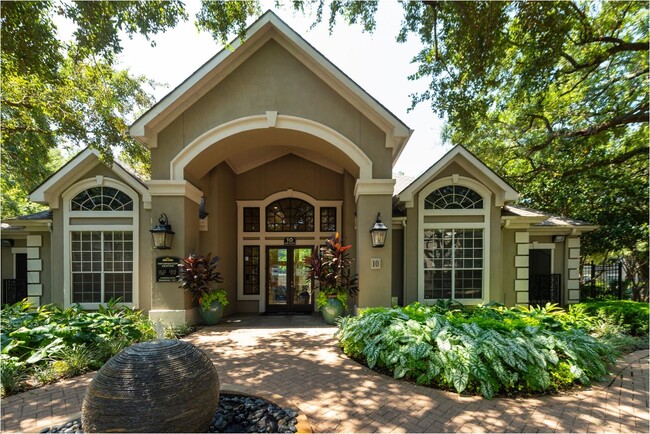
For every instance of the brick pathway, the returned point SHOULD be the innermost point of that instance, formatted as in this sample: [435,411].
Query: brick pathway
[305,366]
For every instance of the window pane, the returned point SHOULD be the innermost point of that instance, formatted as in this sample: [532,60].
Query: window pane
[453,197]
[453,263]
[103,263]
[328,219]
[290,215]
[251,270]
[251,219]
[101,199]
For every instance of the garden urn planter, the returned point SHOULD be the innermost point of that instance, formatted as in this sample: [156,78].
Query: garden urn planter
[211,316]
[332,309]
[157,386]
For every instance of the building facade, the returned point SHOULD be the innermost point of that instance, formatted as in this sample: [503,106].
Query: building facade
[261,154]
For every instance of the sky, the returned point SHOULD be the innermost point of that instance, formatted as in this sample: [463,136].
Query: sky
[376,62]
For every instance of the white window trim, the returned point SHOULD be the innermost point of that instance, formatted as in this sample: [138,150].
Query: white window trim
[264,239]
[67,196]
[485,226]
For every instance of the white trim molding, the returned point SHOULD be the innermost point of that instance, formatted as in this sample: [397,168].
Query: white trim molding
[50,190]
[506,193]
[257,122]
[373,187]
[159,187]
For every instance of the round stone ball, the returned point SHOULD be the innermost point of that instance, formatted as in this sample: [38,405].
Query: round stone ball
[157,386]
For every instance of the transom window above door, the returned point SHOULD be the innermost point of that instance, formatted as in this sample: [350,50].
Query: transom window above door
[290,215]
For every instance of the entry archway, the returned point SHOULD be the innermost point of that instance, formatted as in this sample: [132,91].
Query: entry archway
[271,120]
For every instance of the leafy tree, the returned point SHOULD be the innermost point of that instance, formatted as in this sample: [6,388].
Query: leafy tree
[552,95]
[64,94]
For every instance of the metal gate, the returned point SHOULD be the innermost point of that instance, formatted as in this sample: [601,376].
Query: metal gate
[544,288]
[603,281]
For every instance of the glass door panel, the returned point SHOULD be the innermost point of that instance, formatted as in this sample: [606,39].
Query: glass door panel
[302,291]
[277,276]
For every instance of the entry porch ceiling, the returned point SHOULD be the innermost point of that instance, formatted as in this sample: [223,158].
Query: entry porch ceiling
[254,148]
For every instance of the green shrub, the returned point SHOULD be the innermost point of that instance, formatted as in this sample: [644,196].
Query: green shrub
[632,315]
[486,350]
[12,375]
[177,331]
[50,342]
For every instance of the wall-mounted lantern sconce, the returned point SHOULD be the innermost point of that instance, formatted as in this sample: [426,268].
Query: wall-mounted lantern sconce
[559,238]
[162,234]
[378,232]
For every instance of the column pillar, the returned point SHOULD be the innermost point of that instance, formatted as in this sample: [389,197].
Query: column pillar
[179,200]
[374,265]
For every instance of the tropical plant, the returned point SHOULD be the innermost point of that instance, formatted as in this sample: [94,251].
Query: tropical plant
[330,265]
[488,350]
[50,342]
[323,296]
[198,274]
[219,295]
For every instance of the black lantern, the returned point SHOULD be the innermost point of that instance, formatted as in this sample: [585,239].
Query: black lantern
[378,232]
[162,234]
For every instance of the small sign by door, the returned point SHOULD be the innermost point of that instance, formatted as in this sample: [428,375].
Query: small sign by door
[289,241]
[167,268]
[375,263]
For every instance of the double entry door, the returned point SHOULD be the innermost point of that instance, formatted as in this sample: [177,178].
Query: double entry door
[288,289]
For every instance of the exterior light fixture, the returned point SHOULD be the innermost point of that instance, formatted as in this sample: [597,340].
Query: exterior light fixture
[378,232]
[162,234]
[559,238]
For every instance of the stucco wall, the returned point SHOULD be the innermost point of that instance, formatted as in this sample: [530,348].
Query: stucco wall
[397,286]
[289,172]
[271,80]
[221,237]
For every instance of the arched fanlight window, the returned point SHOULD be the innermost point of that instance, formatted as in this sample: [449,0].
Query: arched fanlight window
[101,199]
[453,197]
[290,215]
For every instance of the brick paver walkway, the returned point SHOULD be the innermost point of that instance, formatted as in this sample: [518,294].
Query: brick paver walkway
[305,366]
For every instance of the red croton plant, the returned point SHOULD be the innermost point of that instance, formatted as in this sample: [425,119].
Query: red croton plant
[198,274]
[330,266]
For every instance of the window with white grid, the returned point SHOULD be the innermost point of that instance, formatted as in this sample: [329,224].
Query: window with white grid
[453,264]
[102,266]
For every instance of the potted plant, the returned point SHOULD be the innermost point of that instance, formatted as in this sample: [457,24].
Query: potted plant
[329,266]
[198,275]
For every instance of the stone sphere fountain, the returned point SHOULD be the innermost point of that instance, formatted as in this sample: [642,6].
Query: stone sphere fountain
[157,386]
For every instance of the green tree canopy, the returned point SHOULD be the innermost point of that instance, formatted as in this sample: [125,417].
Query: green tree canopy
[59,93]
[552,95]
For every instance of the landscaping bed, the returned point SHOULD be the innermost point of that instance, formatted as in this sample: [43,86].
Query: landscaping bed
[490,350]
[42,345]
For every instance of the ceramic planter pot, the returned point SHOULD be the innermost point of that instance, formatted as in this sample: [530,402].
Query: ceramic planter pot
[332,310]
[211,316]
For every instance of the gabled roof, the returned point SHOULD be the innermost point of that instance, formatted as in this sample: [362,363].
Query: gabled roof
[509,194]
[268,26]
[49,191]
